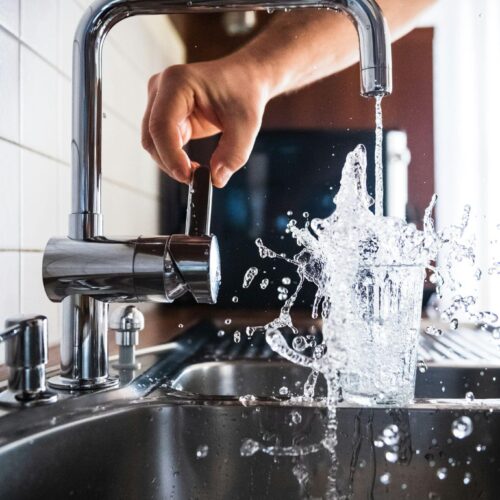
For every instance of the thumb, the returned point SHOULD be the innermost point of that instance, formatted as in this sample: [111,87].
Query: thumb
[234,148]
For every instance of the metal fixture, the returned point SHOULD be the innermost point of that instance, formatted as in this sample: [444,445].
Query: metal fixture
[26,357]
[88,269]
[127,322]
[156,269]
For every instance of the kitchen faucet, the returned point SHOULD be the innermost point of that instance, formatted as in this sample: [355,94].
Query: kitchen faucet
[85,270]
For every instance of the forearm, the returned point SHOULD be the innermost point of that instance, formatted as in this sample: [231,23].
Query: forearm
[300,47]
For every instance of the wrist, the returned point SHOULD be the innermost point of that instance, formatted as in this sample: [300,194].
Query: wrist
[259,69]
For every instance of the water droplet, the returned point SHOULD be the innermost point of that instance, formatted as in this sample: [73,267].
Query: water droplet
[299,343]
[247,399]
[237,337]
[462,427]
[283,391]
[202,451]
[305,215]
[442,473]
[289,213]
[249,447]
[433,331]
[422,366]
[249,276]
[385,478]
[235,299]
[264,283]
[295,417]
[181,325]
[480,448]
[286,280]
[221,333]
[391,456]
[454,324]
[469,397]
[390,435]
[378,443]
[467,478]
[300,472]
[227,321]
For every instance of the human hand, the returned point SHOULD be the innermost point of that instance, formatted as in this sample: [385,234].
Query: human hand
[198,100]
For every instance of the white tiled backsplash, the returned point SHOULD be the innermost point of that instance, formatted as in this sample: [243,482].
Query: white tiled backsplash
[35,134]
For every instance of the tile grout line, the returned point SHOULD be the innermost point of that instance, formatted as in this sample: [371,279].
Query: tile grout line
[20,220]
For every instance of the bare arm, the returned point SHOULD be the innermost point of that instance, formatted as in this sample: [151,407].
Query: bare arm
[229,95]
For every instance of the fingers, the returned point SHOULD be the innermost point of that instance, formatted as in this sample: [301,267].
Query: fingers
[166,127]
[235,146]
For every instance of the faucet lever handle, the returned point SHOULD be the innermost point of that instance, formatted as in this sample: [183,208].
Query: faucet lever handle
[199,209]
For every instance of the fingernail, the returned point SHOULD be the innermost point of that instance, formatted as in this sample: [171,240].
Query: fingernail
[223,174]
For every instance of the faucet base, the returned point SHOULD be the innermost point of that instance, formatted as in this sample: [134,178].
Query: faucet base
[69,384]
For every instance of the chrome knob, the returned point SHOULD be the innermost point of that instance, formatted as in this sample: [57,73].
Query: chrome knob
[127,322]
[26,357]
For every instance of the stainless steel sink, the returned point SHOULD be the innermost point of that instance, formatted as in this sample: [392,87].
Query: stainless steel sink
[177,430]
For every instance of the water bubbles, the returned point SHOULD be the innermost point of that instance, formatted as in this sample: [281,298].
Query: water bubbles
[421,366]
[289,213]
[237,337]
[462,427]
[249,447]
[390,435]
[469,397]
[319,351]
[247,400]
[300,472]
[227,321]
[235,299]
[378,443]
[221,333]
[283,391]
[202,451]
[264,283]
[286,280]
[305,215]
[180,325]
[249,276]
[433,331]
[385,478]
[442,473]
[467,478]
[282,293]
[299,343]
[480,448]
[391,456]
[454,324]
[295,417]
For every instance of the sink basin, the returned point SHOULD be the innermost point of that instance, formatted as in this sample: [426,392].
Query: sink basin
[265,378]
[176,432]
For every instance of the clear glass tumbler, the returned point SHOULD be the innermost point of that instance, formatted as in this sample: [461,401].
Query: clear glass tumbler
[377,327]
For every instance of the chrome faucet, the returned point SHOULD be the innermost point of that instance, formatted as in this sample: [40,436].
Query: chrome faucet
[86,270]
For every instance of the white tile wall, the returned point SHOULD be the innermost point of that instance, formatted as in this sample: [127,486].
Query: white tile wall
[35,135]
[9,86]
